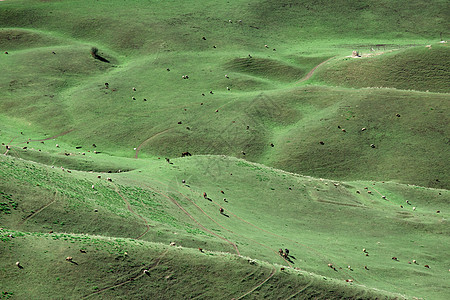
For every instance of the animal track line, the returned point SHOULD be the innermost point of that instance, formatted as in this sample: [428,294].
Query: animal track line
[323,258]
[310,73]
[197,222]
[132,211]
[148,140]
[207,215]
[259,285]
[301,290]
[158,260]
[39,210]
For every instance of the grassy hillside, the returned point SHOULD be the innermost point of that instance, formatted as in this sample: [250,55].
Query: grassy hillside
[279,211]
[303,147]
[114,268]
[418,68]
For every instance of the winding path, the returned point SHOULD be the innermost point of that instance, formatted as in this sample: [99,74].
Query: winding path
[310,73]
[259,285]
[148,140]
[154,265]
[133,212]
[39,210]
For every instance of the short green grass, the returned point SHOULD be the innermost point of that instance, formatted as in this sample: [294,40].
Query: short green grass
[289,154]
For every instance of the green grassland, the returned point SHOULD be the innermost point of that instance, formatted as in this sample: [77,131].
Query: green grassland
[302,145]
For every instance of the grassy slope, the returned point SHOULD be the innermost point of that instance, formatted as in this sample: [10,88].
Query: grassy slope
[47,94]
[418,68]
[107,267]
[280,211]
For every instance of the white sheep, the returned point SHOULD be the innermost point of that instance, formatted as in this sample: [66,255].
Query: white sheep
[414,208]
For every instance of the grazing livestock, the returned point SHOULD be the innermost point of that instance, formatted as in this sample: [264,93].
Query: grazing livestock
[82,251]
[19,265]
[204,38]
[172,244]
[183,181]
[398,115]
[363,129]
[168,70]
[146,272]
[221,210]
[372,145]
[134,89]
[168,160]
[395,258]
[69,258]
[286,251]
[365,267]
[205,196]
[133,98]
[201,250]
[322,143]
[228,89]
[226,76]
[211,92]
[185,154]
[272,145]
[109,179]
[414,208]
[414,261]
[281,252]
[99,176]
[427,266]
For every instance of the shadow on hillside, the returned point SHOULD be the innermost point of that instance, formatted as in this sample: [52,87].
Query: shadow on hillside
[101,58]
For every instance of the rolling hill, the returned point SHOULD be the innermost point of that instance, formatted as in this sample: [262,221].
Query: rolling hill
[291,143]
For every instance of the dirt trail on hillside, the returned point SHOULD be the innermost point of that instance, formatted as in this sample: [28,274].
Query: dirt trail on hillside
[148,140]
[244,237]
[325,259]
[307,76]
[132,211]
[149,268]
[260,284]
[301,290]
[39,210]
[197,222]
[53,137]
